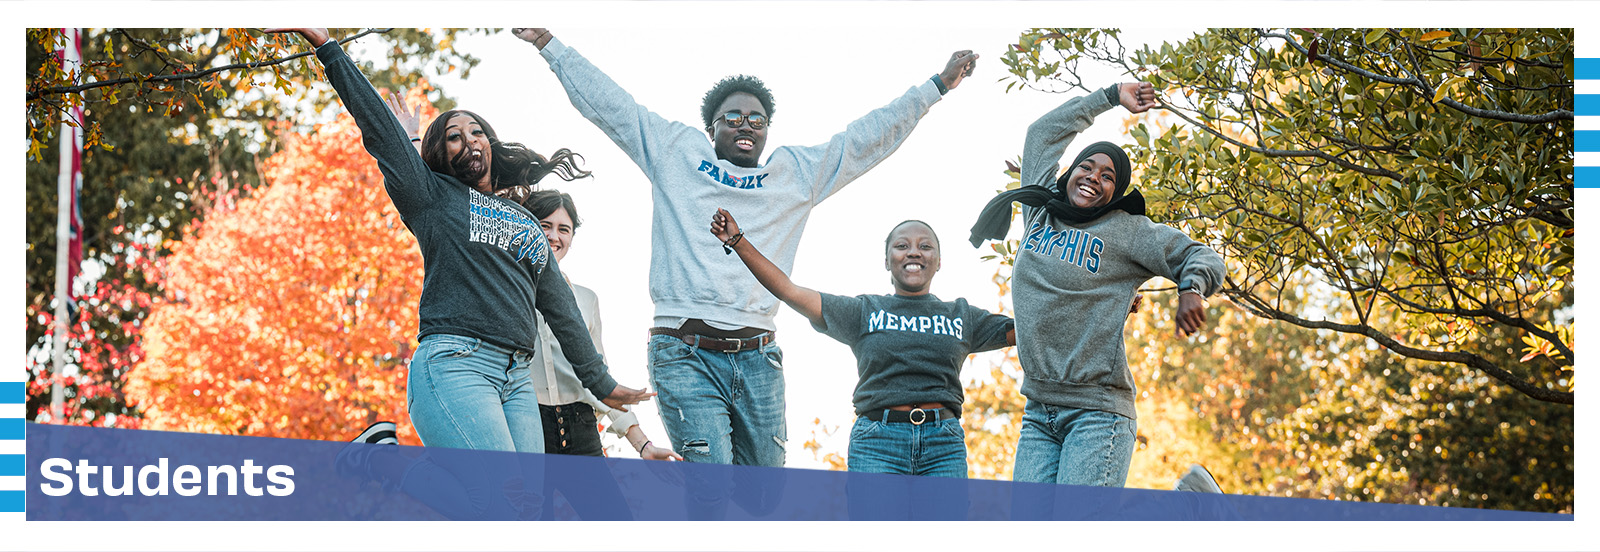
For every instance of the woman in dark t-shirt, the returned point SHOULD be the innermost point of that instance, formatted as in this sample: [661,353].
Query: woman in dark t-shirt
[909,348]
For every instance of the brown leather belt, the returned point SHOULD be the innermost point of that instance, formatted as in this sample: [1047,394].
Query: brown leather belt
[720,345]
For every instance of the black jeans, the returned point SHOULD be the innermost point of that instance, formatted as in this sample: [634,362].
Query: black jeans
[588,486]
[571,429]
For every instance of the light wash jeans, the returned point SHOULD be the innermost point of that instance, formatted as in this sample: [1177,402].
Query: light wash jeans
[465,393]
[903,449]
[723,408]
[1074,446]
[937,449]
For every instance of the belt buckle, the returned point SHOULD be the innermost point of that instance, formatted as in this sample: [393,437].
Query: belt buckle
[918,416]
[738,344]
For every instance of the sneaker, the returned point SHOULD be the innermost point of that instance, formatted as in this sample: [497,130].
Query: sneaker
[381,433]
[352,460]
[1197,480]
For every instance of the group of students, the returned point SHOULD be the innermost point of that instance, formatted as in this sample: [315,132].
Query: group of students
[509,351]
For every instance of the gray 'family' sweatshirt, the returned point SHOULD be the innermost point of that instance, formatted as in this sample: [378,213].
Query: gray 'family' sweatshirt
[1073,282]
[690,277]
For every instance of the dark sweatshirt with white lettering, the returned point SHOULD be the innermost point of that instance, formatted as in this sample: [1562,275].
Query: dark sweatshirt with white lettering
[909,349]
[486,263]
[1072,283]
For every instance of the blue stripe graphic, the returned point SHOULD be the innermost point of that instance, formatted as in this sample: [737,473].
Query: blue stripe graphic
[11,392]
[11,465]
[1586,104]
[11,501]
[11,428]
[1586,69]
[1586,177]
[1586,140]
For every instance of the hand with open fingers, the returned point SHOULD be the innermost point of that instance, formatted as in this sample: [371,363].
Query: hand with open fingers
[959,67]
[723,226]
[1138,97]
[538,37]
[622,396]
[653,452]
[1191,313]
[410,118]
[316,37]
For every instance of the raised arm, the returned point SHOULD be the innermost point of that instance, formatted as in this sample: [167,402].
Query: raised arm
[805,301]
[1198,270]
[1048,137]
[869,140]
[405,176]
[410,117]
[603,102]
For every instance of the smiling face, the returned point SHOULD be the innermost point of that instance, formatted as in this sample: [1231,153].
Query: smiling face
[558,229]
[1092,182]
[467,149]
[741,146]
[912,258]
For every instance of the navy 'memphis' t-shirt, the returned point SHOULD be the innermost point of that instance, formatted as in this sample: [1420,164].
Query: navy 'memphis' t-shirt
[910,349]
[486,262]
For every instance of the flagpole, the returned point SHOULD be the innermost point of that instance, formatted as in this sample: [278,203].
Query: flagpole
[70,142]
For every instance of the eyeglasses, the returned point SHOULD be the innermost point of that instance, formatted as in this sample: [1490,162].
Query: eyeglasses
[734,119]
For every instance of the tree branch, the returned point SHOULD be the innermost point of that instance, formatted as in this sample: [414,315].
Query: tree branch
[1416,82]
[1260,308]
[57,90]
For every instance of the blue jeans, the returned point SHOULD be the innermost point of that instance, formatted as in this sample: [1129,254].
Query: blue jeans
[938,448]
[724,408]
[1073,446]
[465,393]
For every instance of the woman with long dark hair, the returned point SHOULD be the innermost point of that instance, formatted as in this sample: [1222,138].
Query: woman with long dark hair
[488,269]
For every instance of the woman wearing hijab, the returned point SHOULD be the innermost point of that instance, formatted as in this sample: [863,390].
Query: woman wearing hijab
[1087,250]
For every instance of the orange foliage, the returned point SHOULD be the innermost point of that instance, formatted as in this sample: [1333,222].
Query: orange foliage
[293,313]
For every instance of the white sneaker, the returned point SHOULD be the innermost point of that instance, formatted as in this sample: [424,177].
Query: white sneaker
[1197,480]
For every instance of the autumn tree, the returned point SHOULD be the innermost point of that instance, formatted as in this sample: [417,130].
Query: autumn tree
[1274,408]
[292,312]
[1424,175]
[171,135]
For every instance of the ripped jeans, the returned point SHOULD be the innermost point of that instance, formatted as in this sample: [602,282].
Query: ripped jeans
[724,408]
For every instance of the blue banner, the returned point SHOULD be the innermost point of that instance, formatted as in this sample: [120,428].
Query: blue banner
[78,473]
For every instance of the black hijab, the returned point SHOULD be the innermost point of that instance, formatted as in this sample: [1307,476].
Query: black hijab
[996,216]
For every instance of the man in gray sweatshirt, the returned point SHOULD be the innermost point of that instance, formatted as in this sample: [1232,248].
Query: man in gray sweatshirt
[713,359]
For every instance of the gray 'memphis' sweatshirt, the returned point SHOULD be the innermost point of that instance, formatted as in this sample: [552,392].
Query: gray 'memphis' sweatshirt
[690,277]
[1073,282]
